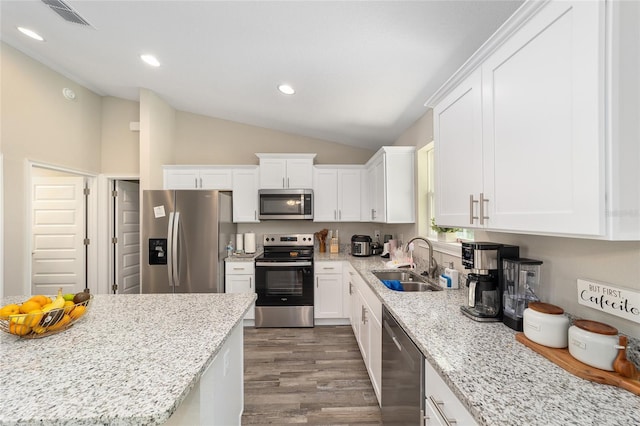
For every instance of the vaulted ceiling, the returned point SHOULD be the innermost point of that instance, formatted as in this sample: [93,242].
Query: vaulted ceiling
[362,70]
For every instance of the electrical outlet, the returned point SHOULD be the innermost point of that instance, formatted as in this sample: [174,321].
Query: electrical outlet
[376,234]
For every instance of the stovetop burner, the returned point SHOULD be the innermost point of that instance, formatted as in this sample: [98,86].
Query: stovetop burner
[287,247]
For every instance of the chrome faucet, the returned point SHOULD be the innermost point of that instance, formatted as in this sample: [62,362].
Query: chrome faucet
[433,265]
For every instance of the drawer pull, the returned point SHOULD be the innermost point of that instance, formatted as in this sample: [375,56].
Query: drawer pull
[438,406]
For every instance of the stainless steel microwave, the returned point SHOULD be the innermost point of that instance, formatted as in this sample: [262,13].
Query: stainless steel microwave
[286,203]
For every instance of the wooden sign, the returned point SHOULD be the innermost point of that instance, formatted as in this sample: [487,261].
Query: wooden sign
[616,301]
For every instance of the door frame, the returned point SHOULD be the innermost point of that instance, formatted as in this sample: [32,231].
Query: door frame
[106,229]
[91,224]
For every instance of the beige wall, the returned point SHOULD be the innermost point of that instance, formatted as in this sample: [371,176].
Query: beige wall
[157,133]
[120,145]
[565,259]
[207,140]
[39,124]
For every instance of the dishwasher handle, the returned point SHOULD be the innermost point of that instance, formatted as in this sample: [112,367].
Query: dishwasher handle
[387,327]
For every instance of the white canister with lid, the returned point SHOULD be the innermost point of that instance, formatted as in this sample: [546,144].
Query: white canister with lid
[545,324]
[594,343]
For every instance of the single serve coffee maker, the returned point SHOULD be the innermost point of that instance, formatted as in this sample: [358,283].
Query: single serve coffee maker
[484,282]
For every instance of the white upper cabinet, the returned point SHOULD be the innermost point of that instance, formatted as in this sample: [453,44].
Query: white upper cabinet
[245,194]
[336,192]
[391,183]
[197,177]
[543,123]
[539,132]
[458,152]
[291,171]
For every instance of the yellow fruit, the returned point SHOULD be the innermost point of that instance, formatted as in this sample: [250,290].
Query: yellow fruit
[39,329]
[7,310]
[33,318]
[56,304]
[19,329]
[28,306]
[68,306]
[40,299]
[78,311]
[60,324]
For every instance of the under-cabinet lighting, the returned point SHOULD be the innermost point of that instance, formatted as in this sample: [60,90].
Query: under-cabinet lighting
[30,33]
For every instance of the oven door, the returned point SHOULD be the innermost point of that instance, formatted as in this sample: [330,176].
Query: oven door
[284,283]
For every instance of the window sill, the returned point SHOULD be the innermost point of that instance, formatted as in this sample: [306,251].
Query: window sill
[452,249]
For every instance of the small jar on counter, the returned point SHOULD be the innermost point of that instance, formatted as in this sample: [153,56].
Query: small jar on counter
[546,324]
[594,343]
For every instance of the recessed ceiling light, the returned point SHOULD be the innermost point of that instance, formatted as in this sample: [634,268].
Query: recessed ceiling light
[286,89]
[30,33]
[151,60]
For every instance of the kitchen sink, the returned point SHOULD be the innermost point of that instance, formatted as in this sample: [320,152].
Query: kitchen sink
[410,280]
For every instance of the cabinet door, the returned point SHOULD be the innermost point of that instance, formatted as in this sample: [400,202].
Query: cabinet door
[353,301]
[443,407]
[458,152]
[215,179]
[181,179]
[377,190]
[241,284]
[272,173]
[328,296]
[325,183]
[543,95]
[245,195]
[375,354]
[348,197]
[299,173]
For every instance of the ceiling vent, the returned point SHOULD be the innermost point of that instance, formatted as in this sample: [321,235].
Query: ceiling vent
[67,13]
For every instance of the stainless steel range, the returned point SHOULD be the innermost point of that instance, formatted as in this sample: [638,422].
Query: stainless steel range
[284,281]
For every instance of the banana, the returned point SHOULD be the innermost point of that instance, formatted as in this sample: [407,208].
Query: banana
[58,303]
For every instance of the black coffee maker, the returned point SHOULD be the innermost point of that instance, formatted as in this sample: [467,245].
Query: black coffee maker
[484,282]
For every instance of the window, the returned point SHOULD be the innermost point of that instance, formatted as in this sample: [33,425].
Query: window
[426,190]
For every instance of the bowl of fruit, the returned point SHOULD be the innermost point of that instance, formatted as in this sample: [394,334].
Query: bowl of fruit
[42,316]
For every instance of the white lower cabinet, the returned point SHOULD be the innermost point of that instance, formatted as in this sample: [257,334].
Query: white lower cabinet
[366,320]
[218,398]
[442,407]
[239,277]
[328,291]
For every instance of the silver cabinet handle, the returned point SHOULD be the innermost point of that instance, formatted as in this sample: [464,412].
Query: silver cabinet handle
[339,214]
[364,314]
[438,406]
[471,203]
[350,288]
[200,182]
[335,214]
[250,279]
[373,213]
[288,185]
[283,183]
[482,201]
[195,182]
[255,215]
[317,285]
[327,268]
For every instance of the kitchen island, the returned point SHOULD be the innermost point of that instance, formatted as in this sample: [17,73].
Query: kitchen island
[132,360]
[499,380]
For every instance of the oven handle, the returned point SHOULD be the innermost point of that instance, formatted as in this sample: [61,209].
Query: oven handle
[279,264]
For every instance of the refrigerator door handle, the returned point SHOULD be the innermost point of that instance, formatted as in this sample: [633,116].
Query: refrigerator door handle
[170,250]
[174,248]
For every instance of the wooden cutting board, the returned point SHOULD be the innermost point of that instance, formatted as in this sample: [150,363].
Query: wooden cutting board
[563,358]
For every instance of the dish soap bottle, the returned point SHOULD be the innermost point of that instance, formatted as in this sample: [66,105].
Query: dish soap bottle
[230,248]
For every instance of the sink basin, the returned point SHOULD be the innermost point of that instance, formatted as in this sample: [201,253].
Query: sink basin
[410,280]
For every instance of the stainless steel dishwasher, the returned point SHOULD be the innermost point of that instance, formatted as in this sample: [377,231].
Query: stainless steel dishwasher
[402,375]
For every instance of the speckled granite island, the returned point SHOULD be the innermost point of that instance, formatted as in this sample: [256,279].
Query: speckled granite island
[133,360]
[500,381]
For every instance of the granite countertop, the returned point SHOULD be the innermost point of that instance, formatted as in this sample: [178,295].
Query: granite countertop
[131,360]
[244,257]
[499,380]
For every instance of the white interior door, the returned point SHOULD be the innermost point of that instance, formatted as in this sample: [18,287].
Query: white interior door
[58,229]
[127,232]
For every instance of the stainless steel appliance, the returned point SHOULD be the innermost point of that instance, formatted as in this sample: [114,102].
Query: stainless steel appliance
[284,281]
[521,278]
[484,283]
[286,203]
[361,245]
[402,376]
[185,233]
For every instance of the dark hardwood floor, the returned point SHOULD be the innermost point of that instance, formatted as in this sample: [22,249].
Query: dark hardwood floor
[306,375]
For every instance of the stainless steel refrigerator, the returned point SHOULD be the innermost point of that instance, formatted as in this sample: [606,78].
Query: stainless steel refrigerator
[184,237]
